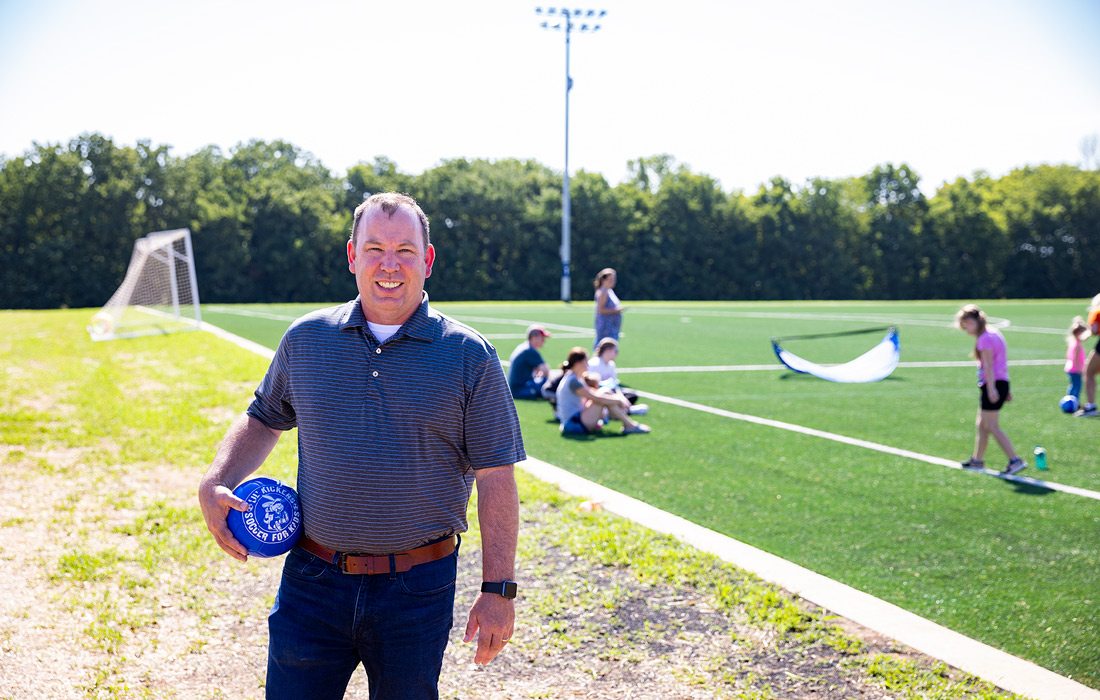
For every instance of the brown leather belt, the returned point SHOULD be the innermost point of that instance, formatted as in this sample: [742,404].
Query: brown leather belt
[371,564]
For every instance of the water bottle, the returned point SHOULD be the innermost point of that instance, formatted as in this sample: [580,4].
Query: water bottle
[1040,458]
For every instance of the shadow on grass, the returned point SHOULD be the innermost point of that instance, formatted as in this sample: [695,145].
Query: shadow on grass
[800,375]
[586,437]
[1028,489]
[589,437]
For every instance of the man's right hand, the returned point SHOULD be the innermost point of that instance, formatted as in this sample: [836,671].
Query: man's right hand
[215,501]
[245,447]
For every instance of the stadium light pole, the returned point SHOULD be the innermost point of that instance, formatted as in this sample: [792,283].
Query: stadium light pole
[562,19]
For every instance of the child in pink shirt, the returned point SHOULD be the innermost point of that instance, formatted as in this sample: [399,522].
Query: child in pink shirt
[992,354]
[1075,356]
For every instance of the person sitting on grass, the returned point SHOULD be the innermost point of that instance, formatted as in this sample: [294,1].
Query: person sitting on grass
[603,364]
[527,371]
[581,408]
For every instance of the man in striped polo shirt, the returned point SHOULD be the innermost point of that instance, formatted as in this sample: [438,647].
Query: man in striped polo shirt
[400,410]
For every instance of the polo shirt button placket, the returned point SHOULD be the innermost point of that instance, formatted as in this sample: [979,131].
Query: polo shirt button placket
[374,373]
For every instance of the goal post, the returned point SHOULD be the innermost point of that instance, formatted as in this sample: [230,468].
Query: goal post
[159,294]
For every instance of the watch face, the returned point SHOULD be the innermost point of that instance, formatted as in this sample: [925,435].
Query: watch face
[510,589]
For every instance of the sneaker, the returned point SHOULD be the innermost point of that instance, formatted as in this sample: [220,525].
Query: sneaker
[1015,466]
[640,428]
[973,464]
[1087,412]
[638,409]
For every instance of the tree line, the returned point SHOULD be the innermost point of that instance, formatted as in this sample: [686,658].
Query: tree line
[269,224]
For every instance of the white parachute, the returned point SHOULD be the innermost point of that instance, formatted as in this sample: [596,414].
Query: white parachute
[874,365]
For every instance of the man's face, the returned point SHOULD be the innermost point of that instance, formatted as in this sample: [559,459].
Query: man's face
[390,264]
[537,340]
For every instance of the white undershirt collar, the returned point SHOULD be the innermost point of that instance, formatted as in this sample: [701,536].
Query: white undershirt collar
[383,332]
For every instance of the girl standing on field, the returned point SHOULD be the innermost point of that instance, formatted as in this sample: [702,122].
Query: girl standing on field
[1075,356]
[992,355]
[609,310]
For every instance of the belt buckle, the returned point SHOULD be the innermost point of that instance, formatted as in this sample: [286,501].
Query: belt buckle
[342,561]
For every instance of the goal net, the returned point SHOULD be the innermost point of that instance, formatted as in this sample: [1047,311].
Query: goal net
[158,295]
[872,366]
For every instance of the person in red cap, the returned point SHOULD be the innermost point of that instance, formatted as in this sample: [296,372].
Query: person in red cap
[527,371]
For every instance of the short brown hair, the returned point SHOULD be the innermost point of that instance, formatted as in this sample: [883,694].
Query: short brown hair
[390,202]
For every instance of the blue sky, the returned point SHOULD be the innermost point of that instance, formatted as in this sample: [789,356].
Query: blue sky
[742,91]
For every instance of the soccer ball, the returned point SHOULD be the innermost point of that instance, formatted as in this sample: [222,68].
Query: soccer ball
[273,522]
[1069,403]
[103,324]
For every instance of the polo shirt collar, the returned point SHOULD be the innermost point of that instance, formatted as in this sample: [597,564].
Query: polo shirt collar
[420,325]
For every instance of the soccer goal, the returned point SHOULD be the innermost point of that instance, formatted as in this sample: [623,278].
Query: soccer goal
[159,294]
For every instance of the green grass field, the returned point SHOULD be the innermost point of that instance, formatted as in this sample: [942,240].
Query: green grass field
[1011,565]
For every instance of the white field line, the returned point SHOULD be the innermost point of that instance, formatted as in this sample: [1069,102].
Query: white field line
[774,368]
[560,330]
[228,310]
[523,336]
[1000,668]
[527,322]
[932,321]
[866,444]
[237,340]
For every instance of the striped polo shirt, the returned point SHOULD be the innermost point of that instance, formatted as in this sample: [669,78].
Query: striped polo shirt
[388,434]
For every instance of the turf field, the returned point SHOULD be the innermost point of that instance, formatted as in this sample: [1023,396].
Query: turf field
[1011,564]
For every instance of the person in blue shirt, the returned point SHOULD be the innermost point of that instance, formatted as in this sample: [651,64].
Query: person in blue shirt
[527,371]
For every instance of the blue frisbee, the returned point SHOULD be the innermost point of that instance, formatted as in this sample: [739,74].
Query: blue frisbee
[273,522]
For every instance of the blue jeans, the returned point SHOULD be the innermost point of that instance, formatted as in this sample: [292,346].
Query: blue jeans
[1074,389]
[531,389]
[325,623]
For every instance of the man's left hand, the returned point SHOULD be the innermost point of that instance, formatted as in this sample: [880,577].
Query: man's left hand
[491,621]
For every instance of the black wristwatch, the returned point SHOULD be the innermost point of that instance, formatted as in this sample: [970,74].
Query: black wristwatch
[506,589]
